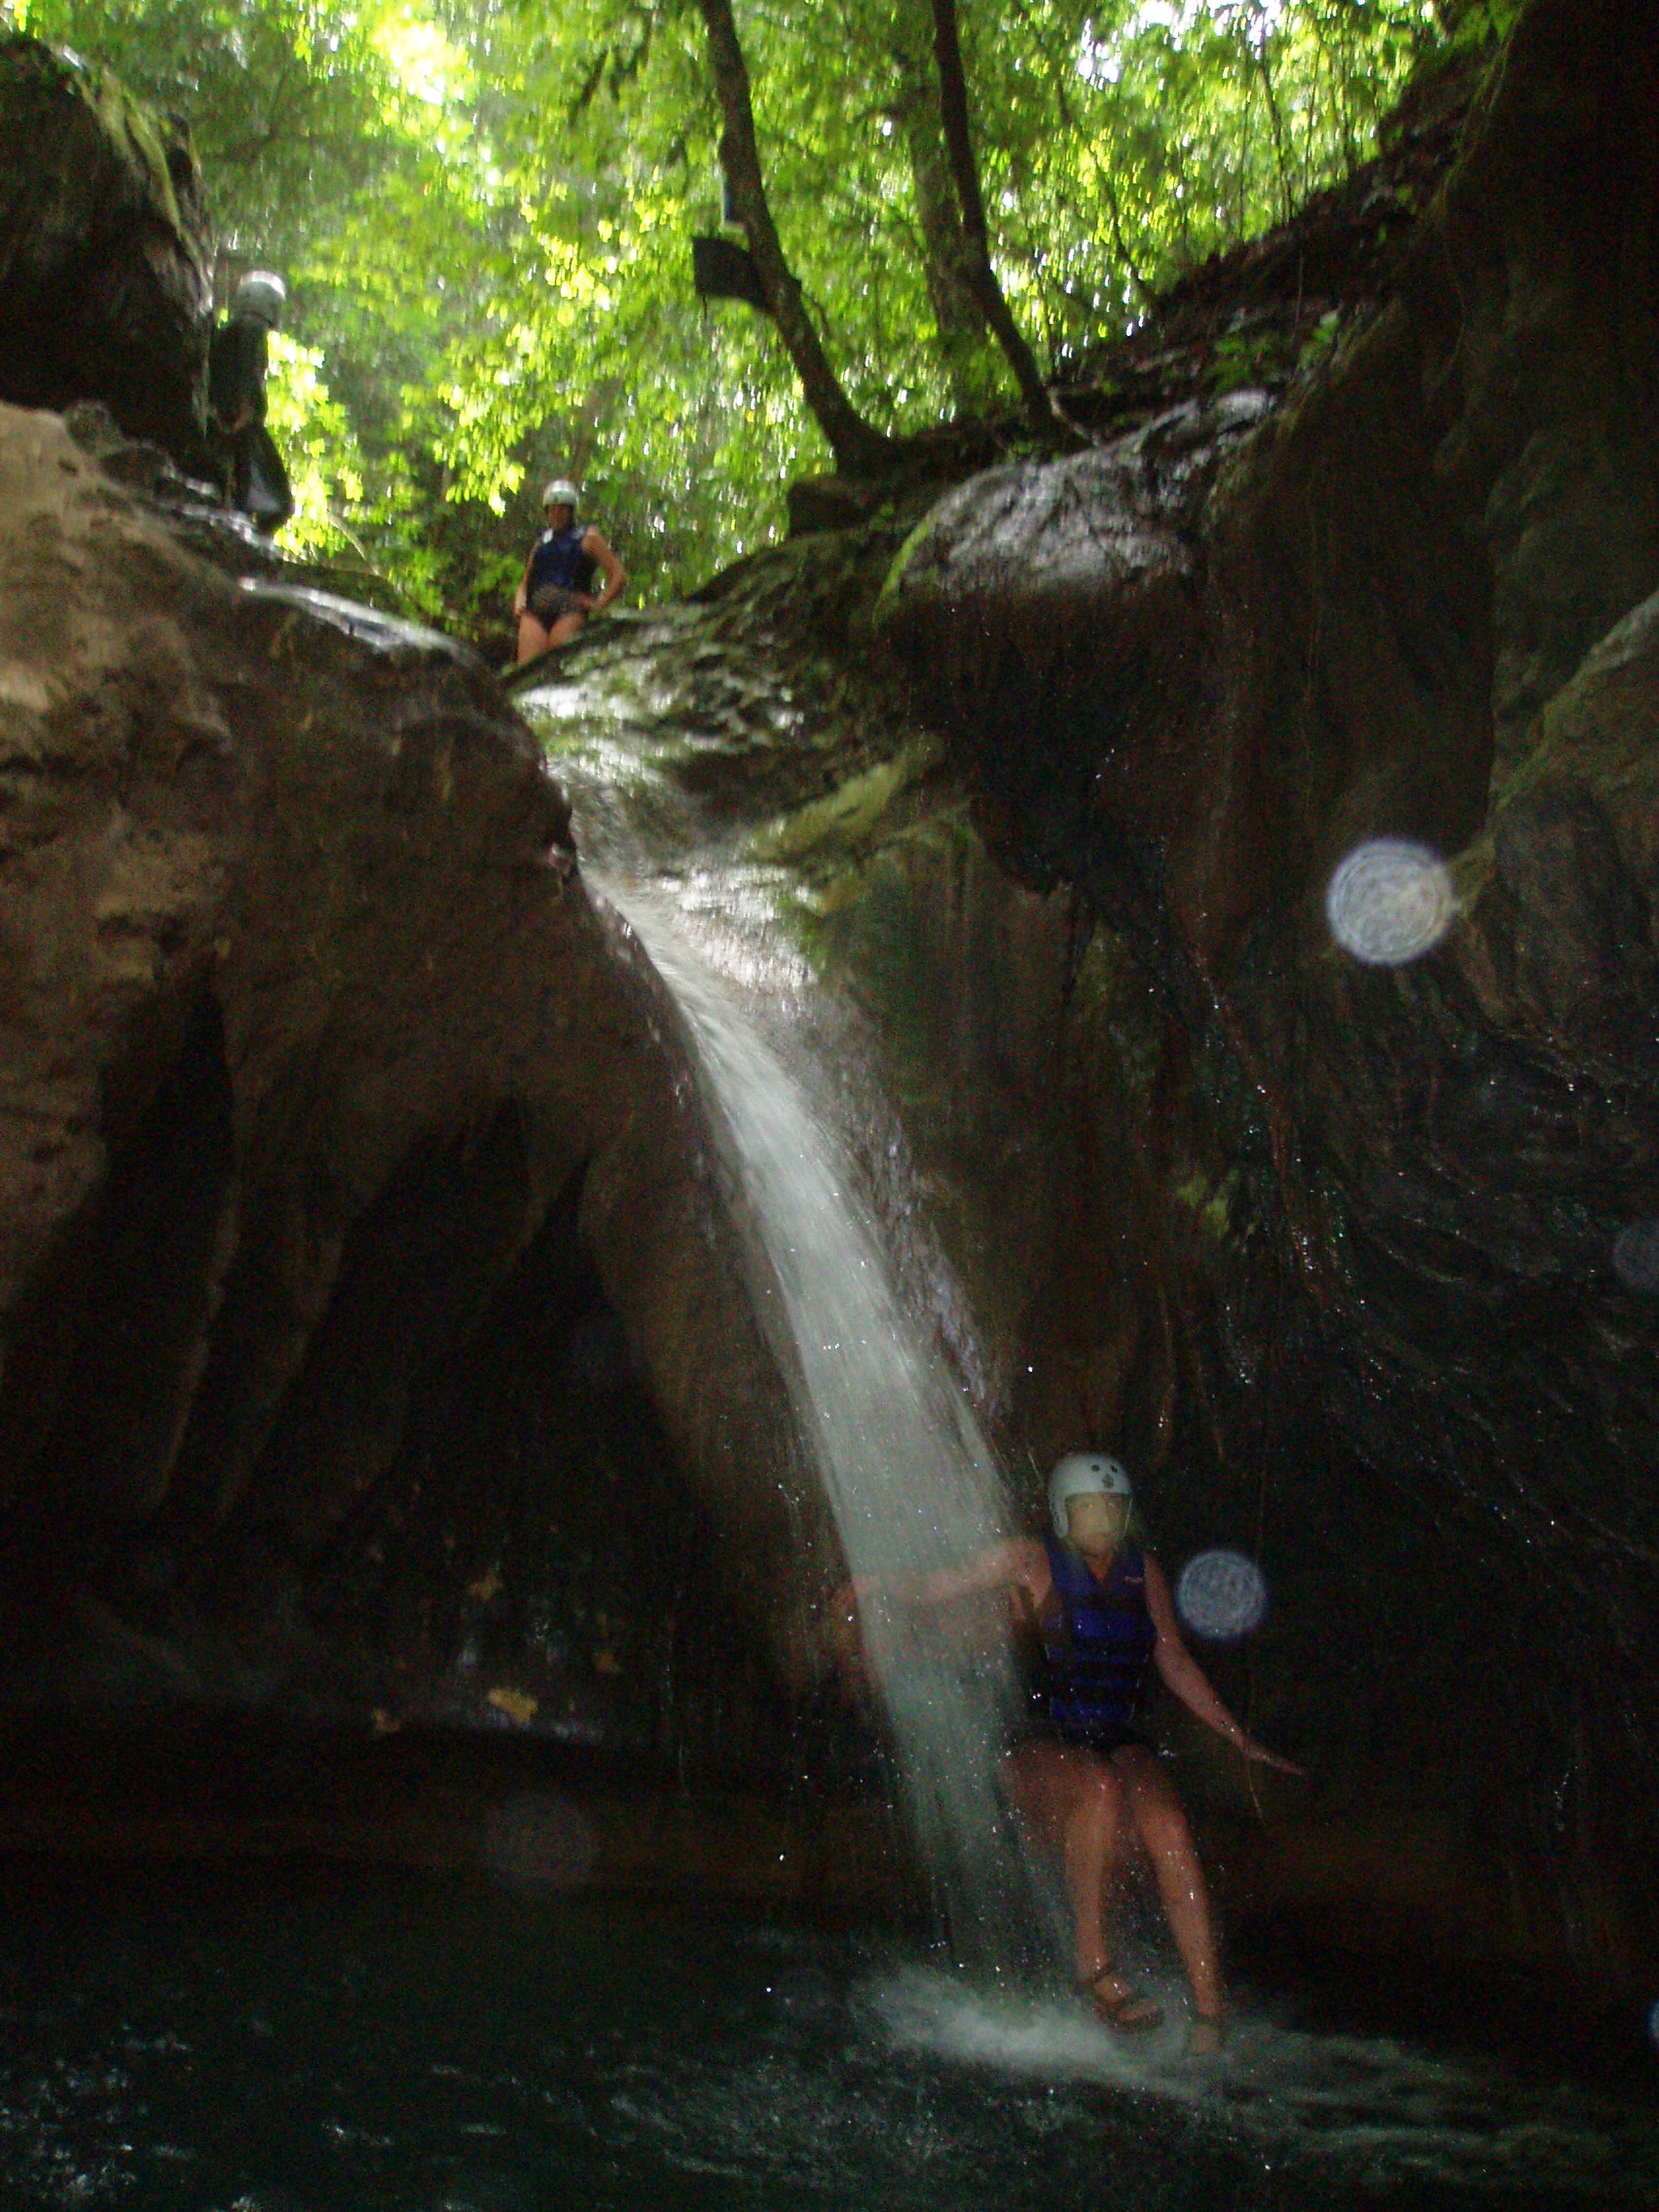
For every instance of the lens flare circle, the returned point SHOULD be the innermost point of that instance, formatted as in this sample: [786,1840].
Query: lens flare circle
[1635,1255]
[1221,1596]
[1390,900]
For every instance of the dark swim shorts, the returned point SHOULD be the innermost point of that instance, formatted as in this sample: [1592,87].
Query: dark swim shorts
[1104,1745]
[551,603]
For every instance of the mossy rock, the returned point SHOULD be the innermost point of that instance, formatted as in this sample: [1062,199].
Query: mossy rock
[104,286]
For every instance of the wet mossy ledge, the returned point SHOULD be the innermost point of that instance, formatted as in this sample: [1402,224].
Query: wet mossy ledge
[375,1305]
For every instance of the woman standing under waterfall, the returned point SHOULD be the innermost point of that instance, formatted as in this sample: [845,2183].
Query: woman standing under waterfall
[1098,1612]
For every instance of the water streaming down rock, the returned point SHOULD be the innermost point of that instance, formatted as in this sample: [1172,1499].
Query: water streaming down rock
[908,1476]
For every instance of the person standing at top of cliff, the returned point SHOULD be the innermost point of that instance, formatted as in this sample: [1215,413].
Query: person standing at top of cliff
[553,599]
[250,471]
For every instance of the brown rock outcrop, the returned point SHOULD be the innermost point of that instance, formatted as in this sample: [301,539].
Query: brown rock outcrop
[315,1055]
[105,291]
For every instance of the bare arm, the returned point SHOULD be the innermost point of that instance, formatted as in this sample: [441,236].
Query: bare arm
[521,597]
[1187,1681]
[616,575]
[1016,1559]
[999,1566]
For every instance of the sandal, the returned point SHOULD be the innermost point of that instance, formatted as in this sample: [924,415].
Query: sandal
[1131,2013]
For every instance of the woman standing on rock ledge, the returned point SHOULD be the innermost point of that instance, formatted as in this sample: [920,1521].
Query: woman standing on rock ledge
[1098,1612]
[552,602]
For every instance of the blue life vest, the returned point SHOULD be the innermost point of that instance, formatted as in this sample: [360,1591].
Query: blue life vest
[1097,1645]
[558,558]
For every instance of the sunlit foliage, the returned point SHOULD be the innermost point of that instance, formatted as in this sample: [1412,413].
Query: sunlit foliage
[484,212]
[319,448]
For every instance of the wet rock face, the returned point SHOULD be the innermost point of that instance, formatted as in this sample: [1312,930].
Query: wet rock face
[1120,646]
[1337,1247]
[105,290]
[1056,607]
[337,1129]
[357,1300]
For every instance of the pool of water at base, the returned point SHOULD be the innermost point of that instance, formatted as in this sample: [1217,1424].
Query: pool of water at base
[304,2040]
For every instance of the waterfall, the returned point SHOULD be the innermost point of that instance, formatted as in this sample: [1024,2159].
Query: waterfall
[909,1479]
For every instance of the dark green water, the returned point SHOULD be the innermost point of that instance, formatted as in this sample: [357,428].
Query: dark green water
[305,2041]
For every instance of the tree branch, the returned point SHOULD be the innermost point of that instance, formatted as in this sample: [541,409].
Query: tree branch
[954,107]
[859,447]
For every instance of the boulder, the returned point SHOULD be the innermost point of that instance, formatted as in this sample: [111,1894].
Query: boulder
[335,1116]
[105,290]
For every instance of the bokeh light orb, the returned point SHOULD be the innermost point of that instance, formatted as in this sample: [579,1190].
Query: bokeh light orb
[1636,1256]
[1390,900]
[1221,1596]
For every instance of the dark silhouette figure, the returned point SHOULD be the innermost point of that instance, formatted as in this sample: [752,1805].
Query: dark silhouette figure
[248,468]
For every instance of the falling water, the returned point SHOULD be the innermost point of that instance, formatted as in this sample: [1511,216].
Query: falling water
[908,1474]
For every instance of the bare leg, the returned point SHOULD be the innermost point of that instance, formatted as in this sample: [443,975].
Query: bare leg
[533,638]
[1162,1826]
[1073,1802]
[1089,1853]
[567,627]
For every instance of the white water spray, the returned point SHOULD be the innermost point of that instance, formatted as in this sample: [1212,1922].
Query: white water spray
[908,1474]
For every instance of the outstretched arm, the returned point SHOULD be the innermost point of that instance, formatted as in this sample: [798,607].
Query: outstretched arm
[1187,1679]
[996,1567]
[999,1566]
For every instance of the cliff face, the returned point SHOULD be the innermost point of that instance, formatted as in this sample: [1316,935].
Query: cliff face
[375,1323]
[354,1182]
[1356,1255]
[1351,1258]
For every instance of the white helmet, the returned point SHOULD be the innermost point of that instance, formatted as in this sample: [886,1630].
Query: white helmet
[1085,1474]
[263,295]
[560,493]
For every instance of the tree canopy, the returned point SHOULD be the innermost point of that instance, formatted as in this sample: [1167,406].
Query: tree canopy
[484,212]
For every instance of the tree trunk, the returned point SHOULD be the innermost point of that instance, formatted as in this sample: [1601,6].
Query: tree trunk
[953,108]
[859,447]
[946,259]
